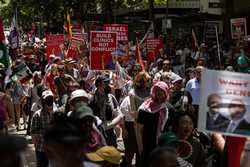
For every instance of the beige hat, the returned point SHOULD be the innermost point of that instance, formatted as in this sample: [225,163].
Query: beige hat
[106,153]
[78,93]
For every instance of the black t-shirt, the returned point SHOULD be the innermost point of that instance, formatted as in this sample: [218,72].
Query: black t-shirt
[150,122]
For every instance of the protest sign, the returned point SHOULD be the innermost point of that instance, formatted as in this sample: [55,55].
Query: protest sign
[121,29]
[238,28]
[153,46]
[73,48]
[53,42]
[102,44]
[225,103]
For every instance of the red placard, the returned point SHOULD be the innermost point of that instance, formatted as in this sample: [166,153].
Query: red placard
[74,44]
[53,42]
[121,29]
[102,44]
[153,47]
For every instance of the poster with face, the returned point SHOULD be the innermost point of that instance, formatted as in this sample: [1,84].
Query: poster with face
[225,103]
[238,28]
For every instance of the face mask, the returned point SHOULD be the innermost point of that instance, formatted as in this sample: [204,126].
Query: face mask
[79,104]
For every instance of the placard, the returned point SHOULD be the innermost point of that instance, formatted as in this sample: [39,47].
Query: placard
[225,103]
[238,28]
[74,45]
[153,46]
[53,42]
[121,29]
[102,44]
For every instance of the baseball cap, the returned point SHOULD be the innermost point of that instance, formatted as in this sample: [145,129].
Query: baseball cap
[82,112]
[106,153]
[168,138]
[47,93]
[101,79]
[78,93]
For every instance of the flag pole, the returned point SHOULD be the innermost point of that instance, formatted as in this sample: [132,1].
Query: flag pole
[218,45]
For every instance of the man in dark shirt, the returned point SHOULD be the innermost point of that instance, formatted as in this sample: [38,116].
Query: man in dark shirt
[62,85]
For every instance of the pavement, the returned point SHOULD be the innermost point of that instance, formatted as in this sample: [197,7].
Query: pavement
[29,157]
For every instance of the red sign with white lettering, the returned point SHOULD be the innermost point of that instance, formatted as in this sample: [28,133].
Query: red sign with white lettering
[53,42]
[121,29]
[153,47]
[102,44]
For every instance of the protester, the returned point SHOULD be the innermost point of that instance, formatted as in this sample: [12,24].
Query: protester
[183,128]
[193,90]
[40,122]
[70,70]
[49,80]
[62,82]
[88,122]
[78,98]
[166,68]
[182,149]
[129,108]
[18,96]
[63,143]
[6,108]
[153,115]
[106,107]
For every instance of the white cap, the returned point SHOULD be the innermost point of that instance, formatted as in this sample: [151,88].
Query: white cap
[175,78]
[46,94]
[79,93]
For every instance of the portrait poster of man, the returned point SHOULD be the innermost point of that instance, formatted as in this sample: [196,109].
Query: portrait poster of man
[225,103]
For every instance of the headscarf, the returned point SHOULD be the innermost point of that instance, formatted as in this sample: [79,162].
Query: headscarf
[151,106]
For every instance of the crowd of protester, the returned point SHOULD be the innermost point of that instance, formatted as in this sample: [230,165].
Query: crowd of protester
[79,117]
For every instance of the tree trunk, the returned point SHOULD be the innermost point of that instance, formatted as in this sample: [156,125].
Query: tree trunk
[107,10]
[151,10]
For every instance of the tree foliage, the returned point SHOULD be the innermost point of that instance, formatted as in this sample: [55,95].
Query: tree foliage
[47,10]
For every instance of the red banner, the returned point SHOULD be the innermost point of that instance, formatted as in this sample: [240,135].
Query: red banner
[153,47]
[53,43]
[121,29]
[102,44]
